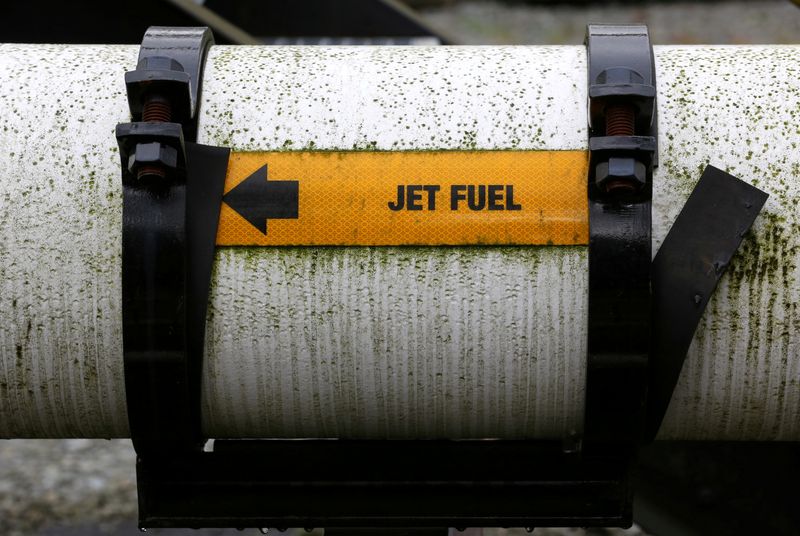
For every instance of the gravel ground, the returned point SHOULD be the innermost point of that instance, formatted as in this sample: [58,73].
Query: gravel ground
[44,483]
[86,487]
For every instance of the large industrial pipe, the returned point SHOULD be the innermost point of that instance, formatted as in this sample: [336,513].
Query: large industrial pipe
[389,342]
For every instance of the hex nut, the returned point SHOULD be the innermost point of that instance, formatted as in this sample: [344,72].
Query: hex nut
[620,169]
[153,153]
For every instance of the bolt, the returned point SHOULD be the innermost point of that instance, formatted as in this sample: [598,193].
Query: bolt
[620,121]
[156,109]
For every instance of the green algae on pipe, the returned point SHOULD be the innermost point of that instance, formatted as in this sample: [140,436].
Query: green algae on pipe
[388,342]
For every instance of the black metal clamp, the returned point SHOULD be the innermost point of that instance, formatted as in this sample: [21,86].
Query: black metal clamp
[643,315]
[172,192]
[172,189]
[622,144]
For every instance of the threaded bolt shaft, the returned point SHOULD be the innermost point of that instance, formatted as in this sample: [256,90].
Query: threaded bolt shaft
[156,109]
[620,121]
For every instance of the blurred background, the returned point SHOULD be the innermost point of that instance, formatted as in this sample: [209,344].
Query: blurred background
[470,22]
[87,487]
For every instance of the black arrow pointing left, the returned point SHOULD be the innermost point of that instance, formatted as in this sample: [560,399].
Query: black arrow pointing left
[257,199]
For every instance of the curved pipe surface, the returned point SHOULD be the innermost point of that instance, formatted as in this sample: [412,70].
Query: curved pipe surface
[388,342]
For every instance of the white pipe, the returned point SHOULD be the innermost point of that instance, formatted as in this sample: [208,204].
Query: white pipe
[388,342]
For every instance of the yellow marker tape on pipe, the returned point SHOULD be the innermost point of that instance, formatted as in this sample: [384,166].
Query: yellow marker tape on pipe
[384,198]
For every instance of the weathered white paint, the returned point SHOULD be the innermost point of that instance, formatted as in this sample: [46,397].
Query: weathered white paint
[738,109]
[396,342]
[60,227]
[387,342]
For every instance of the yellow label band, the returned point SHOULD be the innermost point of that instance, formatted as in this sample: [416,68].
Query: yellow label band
[405,198]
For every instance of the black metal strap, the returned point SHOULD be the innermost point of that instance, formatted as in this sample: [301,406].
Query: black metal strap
[686,270]
[172,191]
[623,151]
